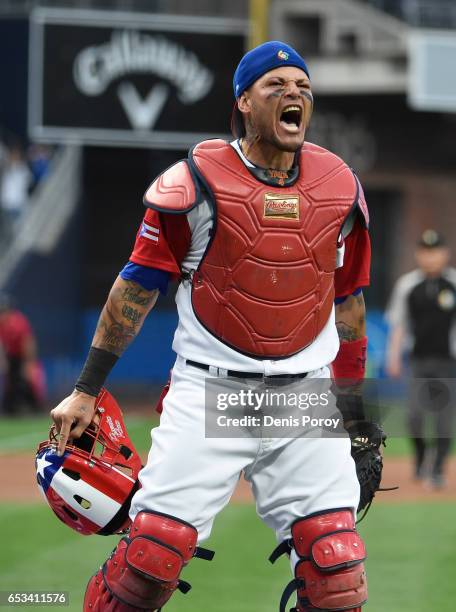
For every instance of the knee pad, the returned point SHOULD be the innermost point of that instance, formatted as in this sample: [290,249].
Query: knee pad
[329,574]
[143,570]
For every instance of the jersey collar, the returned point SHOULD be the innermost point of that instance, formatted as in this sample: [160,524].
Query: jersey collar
[269,176]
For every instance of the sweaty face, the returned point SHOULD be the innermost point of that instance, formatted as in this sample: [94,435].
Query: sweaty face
[278,106]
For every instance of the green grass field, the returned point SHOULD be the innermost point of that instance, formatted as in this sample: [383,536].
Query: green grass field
[411,547]
[410,567]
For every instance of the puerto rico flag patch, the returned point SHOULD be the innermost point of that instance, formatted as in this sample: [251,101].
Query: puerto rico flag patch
[150,232]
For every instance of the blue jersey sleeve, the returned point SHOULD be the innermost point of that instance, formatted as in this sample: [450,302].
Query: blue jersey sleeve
[340,300]
[148,278]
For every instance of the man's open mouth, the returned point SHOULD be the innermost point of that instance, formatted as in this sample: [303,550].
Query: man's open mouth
[290,117]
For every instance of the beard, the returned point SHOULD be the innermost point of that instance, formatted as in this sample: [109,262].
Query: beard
[259,131]
[290,147]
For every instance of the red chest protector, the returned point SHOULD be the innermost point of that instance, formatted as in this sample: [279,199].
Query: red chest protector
[265,285]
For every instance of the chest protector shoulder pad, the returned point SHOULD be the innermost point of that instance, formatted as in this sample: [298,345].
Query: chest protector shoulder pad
[174,190]
[265,285]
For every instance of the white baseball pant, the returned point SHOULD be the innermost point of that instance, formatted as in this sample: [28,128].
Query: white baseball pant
[193,477]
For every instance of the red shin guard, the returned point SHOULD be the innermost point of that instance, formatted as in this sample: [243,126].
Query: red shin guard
[330,572]
[143,571]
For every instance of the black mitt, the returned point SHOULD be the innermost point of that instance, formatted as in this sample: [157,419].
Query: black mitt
[366,439]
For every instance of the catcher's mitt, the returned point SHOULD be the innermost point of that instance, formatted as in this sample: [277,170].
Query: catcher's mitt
[366,439]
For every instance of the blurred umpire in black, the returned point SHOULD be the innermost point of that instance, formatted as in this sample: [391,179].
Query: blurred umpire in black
[422,316]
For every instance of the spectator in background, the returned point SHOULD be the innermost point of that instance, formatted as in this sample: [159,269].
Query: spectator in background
[39,157]
[16,181]
[422,316]
[24,378]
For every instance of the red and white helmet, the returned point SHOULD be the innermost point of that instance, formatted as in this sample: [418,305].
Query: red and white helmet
[90,486]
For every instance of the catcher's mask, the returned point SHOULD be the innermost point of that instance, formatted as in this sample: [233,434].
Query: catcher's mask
[90,486]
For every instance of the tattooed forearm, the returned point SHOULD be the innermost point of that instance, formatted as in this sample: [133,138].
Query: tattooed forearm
[351,318]
[120,322]
[114,338]
[111,334]
[137,295]
[347,333]
[131,314]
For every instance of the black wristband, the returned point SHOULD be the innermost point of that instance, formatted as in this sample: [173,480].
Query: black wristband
[351,406]
[95,371]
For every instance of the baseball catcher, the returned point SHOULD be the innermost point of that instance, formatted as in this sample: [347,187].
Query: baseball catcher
[268,237]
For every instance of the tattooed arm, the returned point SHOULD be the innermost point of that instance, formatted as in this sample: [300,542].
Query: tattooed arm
[349,364]
[123,315]
[120,321]
[351,318]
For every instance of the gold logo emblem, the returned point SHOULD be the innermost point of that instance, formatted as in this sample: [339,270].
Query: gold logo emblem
[278,206]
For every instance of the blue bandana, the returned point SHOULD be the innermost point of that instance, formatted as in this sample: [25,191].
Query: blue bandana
[262,59]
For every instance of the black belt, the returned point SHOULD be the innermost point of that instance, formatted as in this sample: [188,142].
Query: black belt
[236,374]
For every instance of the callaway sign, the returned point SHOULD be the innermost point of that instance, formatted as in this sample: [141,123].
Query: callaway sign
[129,52]
[143,80]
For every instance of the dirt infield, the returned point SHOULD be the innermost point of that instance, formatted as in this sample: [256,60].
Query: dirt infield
[17,482]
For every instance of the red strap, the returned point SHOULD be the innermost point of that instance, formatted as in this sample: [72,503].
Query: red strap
[350,364]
